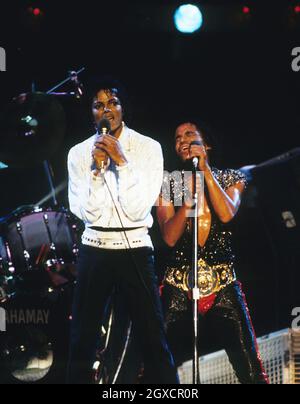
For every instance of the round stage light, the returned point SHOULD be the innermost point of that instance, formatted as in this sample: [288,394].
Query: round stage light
[188,18]
[246,10]
[37,12]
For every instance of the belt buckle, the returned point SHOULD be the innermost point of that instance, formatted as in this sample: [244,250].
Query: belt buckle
[208,279]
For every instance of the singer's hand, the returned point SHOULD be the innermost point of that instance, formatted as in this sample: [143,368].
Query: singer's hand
[201,153]
[99,155]
[113,148]
[190,189]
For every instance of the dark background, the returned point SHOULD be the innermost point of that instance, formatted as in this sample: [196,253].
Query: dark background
[235,74]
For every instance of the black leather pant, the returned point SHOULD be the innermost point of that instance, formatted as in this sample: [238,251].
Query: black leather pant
[230,323]
[98,272]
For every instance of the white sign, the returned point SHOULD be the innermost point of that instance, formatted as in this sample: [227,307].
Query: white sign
[2,60]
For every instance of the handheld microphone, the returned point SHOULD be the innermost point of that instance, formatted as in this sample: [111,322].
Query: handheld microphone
[196,159]
[103,128]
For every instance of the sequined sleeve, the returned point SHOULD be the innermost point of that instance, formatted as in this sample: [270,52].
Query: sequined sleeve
[227,178]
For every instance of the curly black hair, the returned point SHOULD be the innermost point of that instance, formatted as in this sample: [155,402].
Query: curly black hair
[112,86]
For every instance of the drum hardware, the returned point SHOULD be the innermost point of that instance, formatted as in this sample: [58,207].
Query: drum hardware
[73,78]
[44,251]
[52,245]
[34,348]
[38,246]
[7,288]
[25,252]
[11,268]
[36,240]
[32,128]
[57,190]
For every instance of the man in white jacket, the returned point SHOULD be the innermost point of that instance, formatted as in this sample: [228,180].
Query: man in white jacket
[114,180]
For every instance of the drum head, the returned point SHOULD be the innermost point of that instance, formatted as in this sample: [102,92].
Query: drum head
[39,239]
[34,348]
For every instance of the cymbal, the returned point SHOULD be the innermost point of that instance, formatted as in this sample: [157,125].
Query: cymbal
[31,129]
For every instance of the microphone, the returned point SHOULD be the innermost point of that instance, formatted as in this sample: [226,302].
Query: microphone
[103,128]
[196,159]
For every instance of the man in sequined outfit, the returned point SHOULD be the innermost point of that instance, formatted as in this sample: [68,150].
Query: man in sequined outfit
[222,304]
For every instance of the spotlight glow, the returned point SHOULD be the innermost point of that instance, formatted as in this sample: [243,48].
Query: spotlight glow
[37,12]
[246,10]
[188,19]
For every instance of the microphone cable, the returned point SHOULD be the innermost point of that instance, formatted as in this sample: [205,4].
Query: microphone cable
[127,240]
[136,266]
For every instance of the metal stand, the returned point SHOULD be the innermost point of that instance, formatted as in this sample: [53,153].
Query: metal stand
[73,76]
[195,290]
[49,175]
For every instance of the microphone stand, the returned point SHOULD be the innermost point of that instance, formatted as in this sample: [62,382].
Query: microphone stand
[73,77]
[195,290]
[50,177]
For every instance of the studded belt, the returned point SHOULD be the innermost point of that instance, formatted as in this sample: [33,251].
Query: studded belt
[137,238]
[212,279]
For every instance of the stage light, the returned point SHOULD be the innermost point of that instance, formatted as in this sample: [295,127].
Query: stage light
[188,19]
[37,12]
[246,10]
[297,9]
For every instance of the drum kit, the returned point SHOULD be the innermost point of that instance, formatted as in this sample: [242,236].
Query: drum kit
[38,245]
